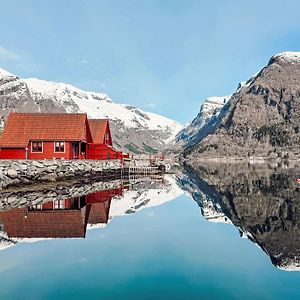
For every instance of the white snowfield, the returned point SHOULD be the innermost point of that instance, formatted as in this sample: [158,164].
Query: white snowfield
[210,104]
[292,266]
[288,56]
[137,199]
[99,105]
[4,73]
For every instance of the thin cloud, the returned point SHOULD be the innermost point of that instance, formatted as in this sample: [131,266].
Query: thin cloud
[6,54]
[150,105]
[72,61]
[103,85]
[92,85]
[19,61]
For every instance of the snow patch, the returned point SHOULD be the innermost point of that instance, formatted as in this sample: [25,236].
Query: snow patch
[210,108]
[137,199]
[288,56]
[290,267]
[4,73]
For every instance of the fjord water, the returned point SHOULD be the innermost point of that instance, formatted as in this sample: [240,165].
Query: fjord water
[159,243]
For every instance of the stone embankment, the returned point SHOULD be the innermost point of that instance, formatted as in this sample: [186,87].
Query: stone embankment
[33,195]
[22,172]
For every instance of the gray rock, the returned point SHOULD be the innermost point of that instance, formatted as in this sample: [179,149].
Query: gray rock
[12,173]
[27,172]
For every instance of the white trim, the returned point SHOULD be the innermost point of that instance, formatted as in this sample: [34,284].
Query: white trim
[59,151]
[37,151]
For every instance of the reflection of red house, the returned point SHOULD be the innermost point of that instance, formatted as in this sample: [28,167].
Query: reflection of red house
[61,218]
[68,136]
[58,219]
[100,204]
[99,212]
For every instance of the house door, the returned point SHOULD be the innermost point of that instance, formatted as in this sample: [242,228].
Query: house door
[83,150]
[75,150]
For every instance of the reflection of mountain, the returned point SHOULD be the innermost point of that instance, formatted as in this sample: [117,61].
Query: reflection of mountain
[205,196]
[146,193]
[30,215]
[262,202]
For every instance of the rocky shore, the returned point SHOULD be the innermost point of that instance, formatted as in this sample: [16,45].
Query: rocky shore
[24,172]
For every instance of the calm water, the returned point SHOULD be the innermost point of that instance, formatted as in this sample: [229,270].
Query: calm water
[151,240]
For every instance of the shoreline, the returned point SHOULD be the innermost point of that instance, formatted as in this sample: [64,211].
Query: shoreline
[252,160]
[19,173]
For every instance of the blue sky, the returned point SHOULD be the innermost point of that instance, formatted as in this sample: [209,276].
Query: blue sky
[164,56]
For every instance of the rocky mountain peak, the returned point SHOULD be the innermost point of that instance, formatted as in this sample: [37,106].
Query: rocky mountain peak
[285,57]
[262,118]
[194,130]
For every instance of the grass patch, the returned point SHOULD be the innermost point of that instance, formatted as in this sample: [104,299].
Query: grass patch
[149,149]
[132,148]
[277,135]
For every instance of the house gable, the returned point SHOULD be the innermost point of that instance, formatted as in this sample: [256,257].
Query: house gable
[100,131]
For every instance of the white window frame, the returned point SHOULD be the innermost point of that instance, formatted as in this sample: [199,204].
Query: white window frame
[56,204]
[37,151]
[64,147]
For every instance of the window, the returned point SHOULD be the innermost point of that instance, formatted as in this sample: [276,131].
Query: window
[106,138]
[59,146]
[56,204]
[37,147]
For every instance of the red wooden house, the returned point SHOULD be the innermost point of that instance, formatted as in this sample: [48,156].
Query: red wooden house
[48,136]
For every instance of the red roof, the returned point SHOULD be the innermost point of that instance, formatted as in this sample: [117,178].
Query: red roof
[23,127]
[45,224]
[98,129]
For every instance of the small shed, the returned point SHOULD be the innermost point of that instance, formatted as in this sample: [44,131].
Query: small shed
[102,147]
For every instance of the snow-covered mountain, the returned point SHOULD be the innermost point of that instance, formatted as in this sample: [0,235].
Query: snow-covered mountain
[210,109]
[132,129]
[261,119]
[207,120]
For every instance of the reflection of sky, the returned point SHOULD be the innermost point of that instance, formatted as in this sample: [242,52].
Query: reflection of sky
[163,252]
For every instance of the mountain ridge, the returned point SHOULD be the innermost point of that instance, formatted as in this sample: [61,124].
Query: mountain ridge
[261,119]
[201,124]
[133,129]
